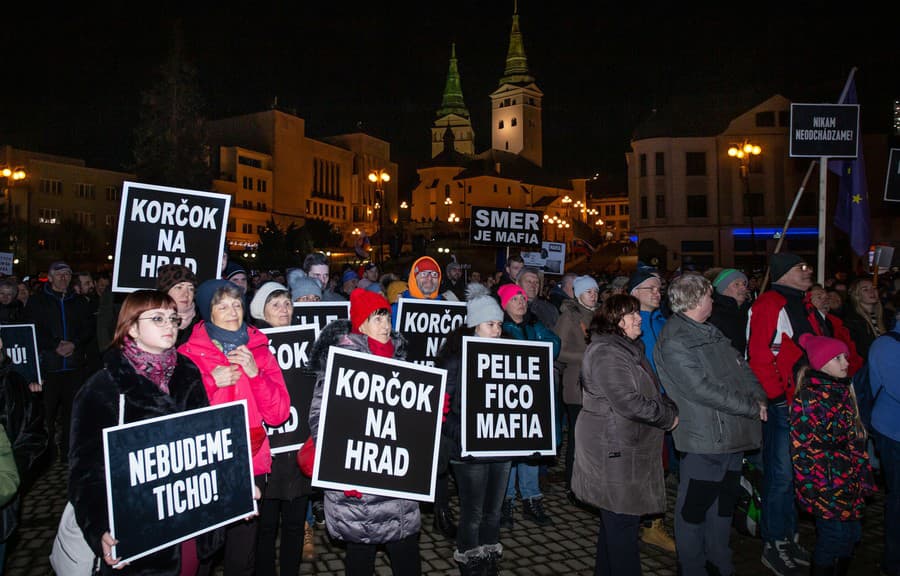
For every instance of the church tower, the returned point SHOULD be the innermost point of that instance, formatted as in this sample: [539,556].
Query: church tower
[453,115]
[516,104]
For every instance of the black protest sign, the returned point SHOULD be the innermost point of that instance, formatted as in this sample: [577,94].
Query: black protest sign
[425,324]
[174,477]
[380,425]
[819,130]
[159,225]
[20,344]
[507,398]
[320,313]
[290,345]
[506,227]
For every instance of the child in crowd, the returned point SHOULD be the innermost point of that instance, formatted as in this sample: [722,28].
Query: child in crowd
[831,467]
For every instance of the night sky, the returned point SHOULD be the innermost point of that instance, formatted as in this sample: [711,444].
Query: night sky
[73,78]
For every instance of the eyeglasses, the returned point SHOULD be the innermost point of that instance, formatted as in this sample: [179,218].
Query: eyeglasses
[427,274]
[652,289]
[160,321]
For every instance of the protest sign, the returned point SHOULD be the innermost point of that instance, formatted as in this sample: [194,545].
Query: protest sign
[380,426]
[824,130]
[159,225]
[320,313]
[550,259]
[20,343]
[425,324]
[290,345]
[508,398]
[171,478]
[6,263]
[506,227]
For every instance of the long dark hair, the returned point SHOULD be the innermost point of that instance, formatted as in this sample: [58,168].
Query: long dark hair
[606,319]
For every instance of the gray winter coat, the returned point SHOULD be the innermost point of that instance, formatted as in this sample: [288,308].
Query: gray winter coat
[371,519]
[619,433]
[574,321]
[717,394]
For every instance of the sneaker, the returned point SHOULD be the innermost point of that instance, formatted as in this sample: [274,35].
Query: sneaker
[533,509]
[799,554]
[318,510]
[776,557]
[309,544]
[506,514]
[657,535]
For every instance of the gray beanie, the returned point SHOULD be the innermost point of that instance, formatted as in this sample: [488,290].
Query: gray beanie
[304,286]
[583,284]
[480,305]
[258,304]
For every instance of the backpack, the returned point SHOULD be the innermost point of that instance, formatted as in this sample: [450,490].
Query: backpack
[862,386]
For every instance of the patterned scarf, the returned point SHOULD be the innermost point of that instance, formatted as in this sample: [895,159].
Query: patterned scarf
[158,368]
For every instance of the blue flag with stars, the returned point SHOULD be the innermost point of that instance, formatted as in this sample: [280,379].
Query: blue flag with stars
[852,212]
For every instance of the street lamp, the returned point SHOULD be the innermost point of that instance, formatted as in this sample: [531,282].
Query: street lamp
[744,153]
[15,175]
[379,177]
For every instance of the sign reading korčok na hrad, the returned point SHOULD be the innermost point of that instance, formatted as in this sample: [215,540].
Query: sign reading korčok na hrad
[505,227]
[159,225]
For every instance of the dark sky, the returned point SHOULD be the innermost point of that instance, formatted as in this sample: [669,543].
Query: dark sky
[73,78]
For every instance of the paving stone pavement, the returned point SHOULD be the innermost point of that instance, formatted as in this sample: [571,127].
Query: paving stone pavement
[566,547]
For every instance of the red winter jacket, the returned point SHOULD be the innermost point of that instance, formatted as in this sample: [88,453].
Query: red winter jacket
[267,397]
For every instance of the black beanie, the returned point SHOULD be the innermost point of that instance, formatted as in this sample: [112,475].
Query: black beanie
[638,277]
[780,263]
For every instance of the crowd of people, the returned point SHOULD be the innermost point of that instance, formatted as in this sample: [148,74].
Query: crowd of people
[680,377]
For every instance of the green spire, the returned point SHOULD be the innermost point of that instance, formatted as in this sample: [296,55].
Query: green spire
[516,64]
[452,102]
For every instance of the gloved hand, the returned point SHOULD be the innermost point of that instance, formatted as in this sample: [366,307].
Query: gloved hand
[352,493]
[446,407]
[306,457]
[257,436]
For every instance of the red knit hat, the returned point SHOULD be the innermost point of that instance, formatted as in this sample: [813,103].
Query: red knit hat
[821,349]
[362,304]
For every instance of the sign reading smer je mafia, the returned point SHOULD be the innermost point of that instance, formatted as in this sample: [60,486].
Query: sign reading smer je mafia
[425,324]
[379,426]
[159,225]
[177,476]
[819,130]
[505,227]
[507,397]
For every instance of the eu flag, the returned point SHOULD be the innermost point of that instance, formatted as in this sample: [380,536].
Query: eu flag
[852,212]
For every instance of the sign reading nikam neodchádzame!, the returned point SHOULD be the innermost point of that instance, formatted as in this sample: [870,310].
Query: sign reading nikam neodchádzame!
[819,130]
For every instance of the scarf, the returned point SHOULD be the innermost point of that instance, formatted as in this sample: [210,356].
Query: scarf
[158,368]
[385,350]
[227,340]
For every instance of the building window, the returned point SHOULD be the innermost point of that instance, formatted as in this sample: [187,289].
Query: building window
[660,205]
[609,210]
[500,125]
[495,188]
[784,118]
[232,225]
[754,205]
[696,206]
[247,228]
[111,220]
[247,183]
[85,191]
[643,165]
[765,119]
[660,164]
[695,164]
[261,185]
[48,215]
[513,122]
[51,187]
[113,194]
[253,162]
[623,209]
[644,207]
[86,219]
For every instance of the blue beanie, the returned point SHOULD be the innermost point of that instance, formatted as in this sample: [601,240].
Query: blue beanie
[205,292]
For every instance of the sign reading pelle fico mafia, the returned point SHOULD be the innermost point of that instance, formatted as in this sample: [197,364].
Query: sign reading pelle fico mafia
[159,225]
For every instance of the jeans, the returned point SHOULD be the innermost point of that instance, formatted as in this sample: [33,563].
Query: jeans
[779,515]
[618,552]
[404,555]
[529,486]
[481,487]
[890,468]
[835,539]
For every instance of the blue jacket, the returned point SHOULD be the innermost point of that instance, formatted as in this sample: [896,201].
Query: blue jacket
[884,365]
[651,326]
[531,329]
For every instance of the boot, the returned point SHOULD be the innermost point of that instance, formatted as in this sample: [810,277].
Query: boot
[657,535]
[443,523]
[533,509]
[506,514]
[471,562]
[309,544]
[493,554]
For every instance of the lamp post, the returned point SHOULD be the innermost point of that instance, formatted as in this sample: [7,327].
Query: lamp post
[744,153]
[15,175]
[403,206]
[379,177]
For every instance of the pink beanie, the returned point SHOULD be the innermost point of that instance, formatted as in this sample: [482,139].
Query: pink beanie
[507,291]
[821,349]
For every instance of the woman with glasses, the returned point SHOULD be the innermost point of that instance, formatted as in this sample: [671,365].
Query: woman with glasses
[141,364]
[236,364]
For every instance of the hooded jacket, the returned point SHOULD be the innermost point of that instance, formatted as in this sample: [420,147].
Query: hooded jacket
[413,291]
[371,519]
[573,324]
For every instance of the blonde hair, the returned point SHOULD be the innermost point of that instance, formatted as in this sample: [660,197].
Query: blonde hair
[854,292]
